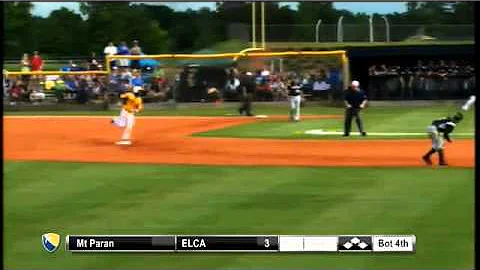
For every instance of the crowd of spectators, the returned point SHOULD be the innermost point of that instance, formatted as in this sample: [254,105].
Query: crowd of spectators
[432,79]
[81,89]
[320,84]
[150,80]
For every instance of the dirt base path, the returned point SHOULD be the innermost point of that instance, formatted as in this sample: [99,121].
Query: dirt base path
[167,140]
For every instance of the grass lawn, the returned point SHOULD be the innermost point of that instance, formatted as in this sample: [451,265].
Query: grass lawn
[437,205]
[229,109]
[344,45]
[375,119]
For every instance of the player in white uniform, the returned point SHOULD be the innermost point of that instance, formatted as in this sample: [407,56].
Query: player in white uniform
[132,105]
[295,97]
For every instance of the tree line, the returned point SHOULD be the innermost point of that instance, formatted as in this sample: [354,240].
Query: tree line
[161,29]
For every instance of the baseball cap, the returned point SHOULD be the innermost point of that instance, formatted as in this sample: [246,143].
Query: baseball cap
[355,83]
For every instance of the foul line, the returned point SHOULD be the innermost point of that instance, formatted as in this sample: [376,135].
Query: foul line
[324,132]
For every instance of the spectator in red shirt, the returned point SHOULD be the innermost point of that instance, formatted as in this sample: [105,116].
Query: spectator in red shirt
[37,62]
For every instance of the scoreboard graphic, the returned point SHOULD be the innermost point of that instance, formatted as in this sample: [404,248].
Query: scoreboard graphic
[240,243]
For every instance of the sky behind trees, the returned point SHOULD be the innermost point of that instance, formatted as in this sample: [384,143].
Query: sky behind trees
[163,29]
[43,9]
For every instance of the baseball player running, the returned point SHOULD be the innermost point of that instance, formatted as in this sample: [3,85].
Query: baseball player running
[131,104]
[295,96]
[444,126]
[439,127]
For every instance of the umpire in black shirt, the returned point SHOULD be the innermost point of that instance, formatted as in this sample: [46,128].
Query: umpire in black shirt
[355,100]
[247,90]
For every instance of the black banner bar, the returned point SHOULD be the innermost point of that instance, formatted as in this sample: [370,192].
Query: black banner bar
[105,243]
[227,243]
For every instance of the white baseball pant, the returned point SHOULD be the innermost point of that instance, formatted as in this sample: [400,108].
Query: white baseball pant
[437,140]
[125,120]
[295,107]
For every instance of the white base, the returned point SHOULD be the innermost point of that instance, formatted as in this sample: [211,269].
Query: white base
[123,143]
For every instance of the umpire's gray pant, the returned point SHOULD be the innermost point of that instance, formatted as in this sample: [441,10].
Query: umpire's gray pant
[295,102]
[437,140]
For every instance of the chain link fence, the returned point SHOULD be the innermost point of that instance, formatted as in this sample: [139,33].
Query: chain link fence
[361,32]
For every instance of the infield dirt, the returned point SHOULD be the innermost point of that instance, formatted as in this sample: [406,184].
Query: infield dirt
[168,140]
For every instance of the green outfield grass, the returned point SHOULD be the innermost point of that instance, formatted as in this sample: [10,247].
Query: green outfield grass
[437,205]
[228,109]
[375,119]
[346,45]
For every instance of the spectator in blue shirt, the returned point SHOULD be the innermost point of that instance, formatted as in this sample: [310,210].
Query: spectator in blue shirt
[71,86]
[137,80]
[123,50]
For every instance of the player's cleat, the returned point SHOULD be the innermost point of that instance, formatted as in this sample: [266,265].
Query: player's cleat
[443,164]
[364,134]
[124,142]
[427,160]
[112,121]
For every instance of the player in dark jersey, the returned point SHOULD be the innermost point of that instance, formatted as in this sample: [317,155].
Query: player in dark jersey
[295,96]
[439,130]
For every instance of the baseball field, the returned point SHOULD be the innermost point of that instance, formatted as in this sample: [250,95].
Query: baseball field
[204,171]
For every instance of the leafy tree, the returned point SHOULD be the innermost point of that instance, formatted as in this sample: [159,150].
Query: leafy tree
[62,33]
[121,21]
[18,27]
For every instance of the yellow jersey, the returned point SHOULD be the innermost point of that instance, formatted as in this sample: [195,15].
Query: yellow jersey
[132,103]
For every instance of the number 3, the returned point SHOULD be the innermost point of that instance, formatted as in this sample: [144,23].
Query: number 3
[267,242]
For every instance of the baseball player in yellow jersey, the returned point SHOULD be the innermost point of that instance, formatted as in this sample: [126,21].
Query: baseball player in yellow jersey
[132,104]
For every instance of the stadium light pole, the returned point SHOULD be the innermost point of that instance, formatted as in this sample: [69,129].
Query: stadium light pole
[254,44]
[317,26]
[387,28]
[262,6]
[340,29]
[370,22]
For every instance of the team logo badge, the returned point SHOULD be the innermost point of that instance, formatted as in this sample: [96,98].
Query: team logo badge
[51,241]
[355,243]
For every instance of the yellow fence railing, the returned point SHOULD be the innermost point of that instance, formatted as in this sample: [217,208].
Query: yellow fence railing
[251,52]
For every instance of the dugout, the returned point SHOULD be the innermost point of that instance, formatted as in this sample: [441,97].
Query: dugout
[361,58]
[196,79]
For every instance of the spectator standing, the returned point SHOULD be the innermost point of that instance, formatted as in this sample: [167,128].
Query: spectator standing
[110,50]
[135,50]
[37,62]
[355,100]
[36,65]
[123,50]
[25,63]
[92,62]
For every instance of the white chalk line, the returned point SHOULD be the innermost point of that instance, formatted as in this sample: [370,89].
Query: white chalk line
[324,132]
[111,116]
